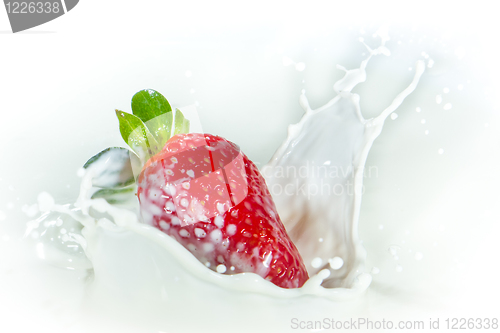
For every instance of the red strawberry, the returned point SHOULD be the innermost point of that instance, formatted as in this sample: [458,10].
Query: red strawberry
[201,190]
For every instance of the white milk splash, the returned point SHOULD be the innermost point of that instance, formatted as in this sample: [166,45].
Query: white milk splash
[316,176]
[139,272]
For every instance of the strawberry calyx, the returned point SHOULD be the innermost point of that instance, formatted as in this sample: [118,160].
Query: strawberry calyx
[151,124]
[146,130]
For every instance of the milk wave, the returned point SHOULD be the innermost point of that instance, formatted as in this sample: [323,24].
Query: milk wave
[134,263]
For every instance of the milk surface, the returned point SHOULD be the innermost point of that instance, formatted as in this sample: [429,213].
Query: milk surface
[418,254]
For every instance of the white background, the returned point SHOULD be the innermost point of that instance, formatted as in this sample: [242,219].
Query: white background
[60,82]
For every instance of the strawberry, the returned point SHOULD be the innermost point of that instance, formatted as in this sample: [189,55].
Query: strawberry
[201,190]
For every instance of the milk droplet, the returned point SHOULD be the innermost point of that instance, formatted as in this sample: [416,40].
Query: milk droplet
[430,63]
[45,202]
[221,268]
[231,229]
[200,233]
[439,99]
[316,262]
[418,109]
[446,90]
[336,262]
[422,121]
[399,268]
[300,66]
[440,151]
[447,106]
[393,250]
[375,270]
[418,256]
[219,221]
[216,236]
[426,132]
[324,273]
[192,91]
[394,116]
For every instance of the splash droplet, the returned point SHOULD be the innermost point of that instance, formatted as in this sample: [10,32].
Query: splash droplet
[393,249]
[336,263]
[316,262]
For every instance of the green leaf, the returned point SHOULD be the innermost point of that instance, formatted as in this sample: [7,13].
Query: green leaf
[137,135]
[155,111]
[114,196]
[112,168]
[181,123]
[148,104]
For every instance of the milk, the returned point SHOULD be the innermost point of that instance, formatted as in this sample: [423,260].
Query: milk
[142,278]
